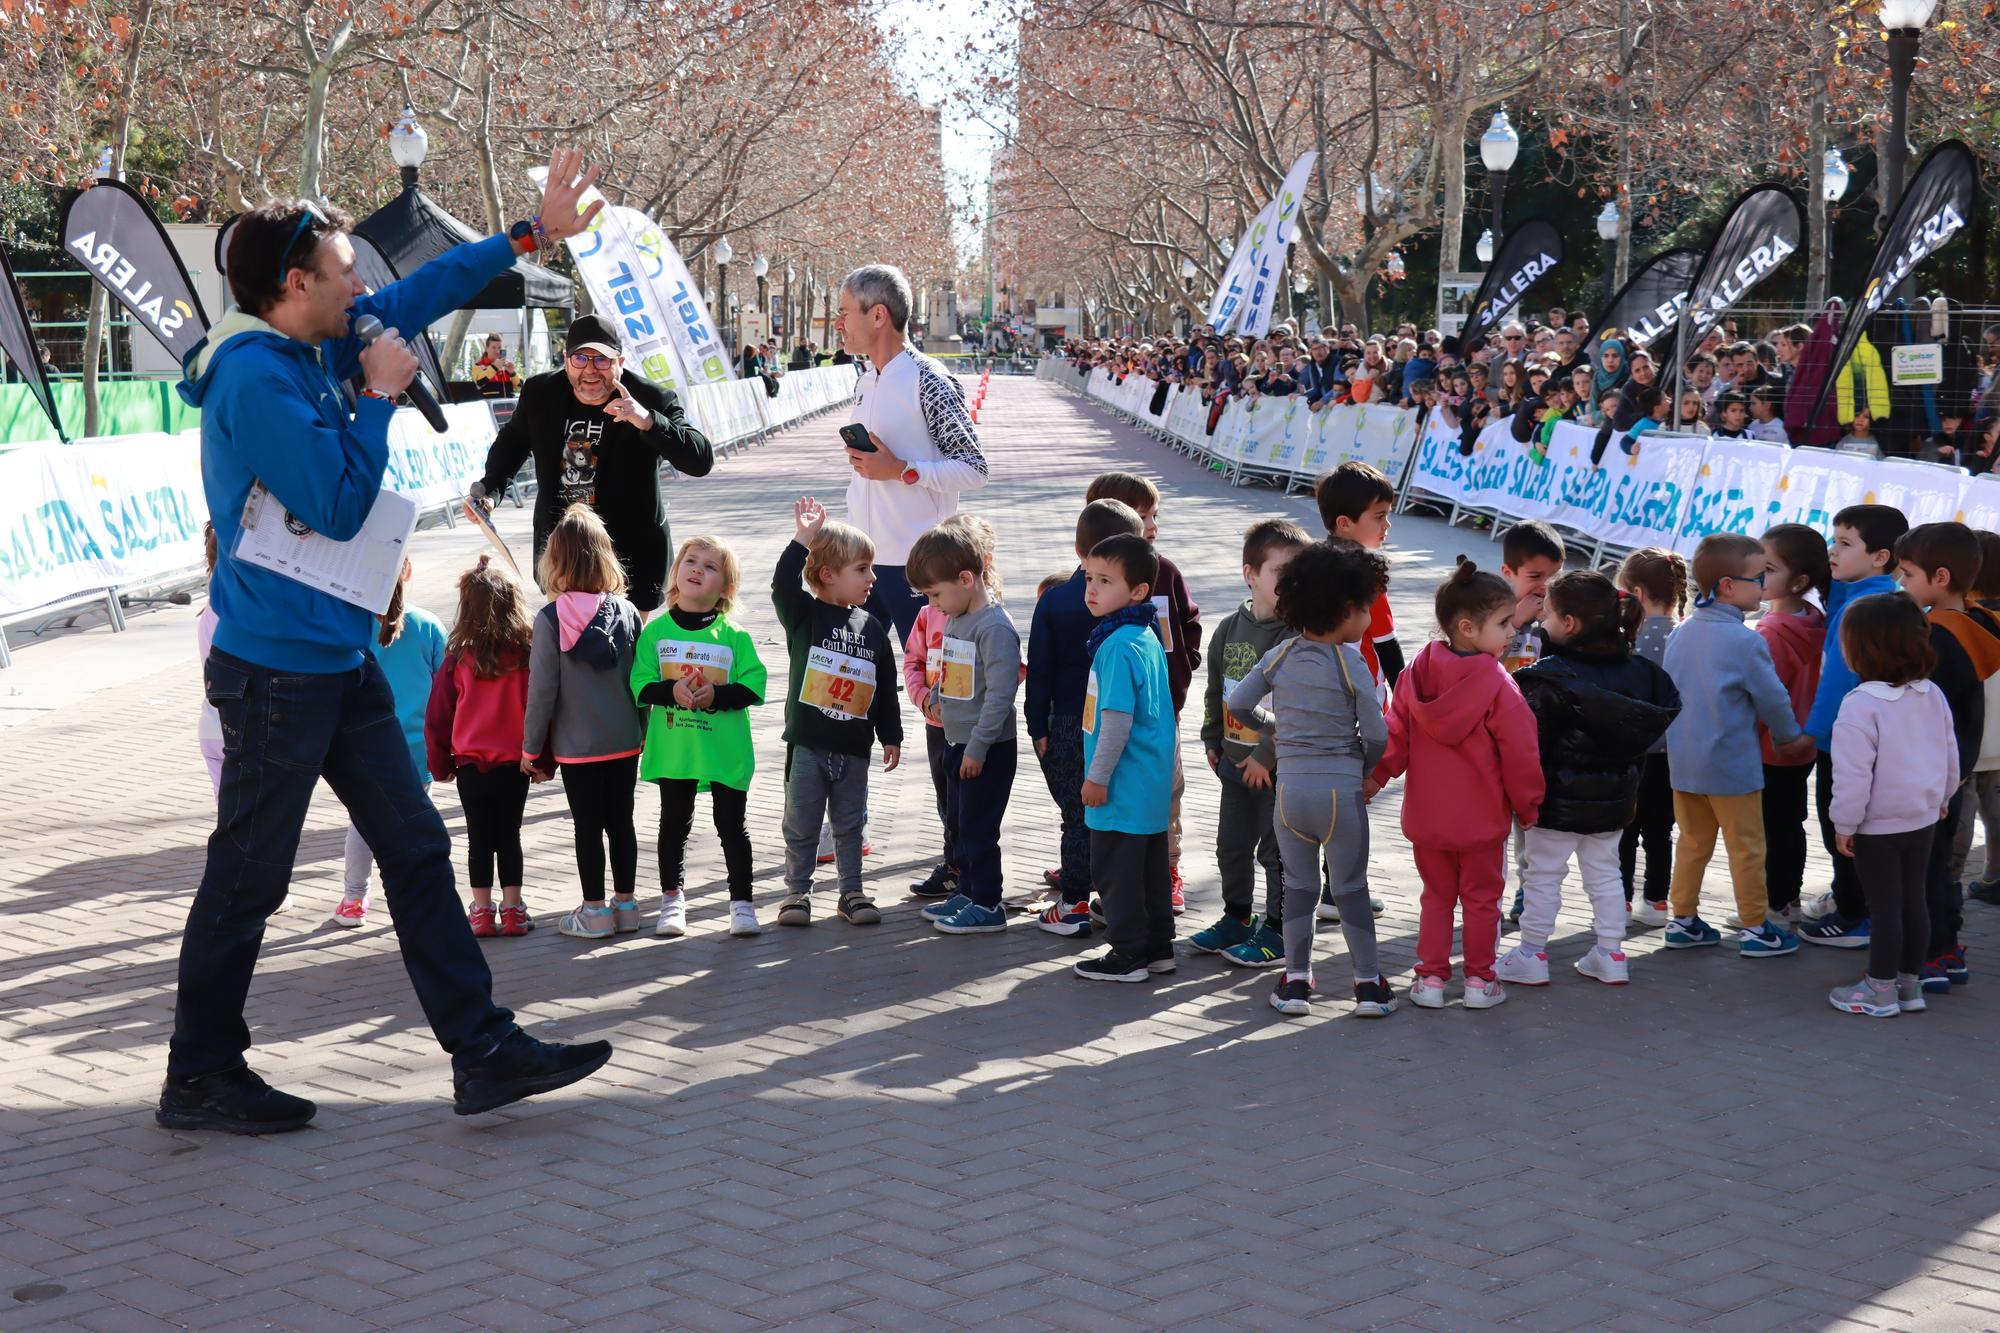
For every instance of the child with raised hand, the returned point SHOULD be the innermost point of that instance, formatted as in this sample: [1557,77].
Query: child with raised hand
[979,675]
[1058,678]
[409,647]
[1658,578]
[1795,632]
[1598,709]
[1728,688]
[472,737]
[1461,731]
[840,698]
[699,674]
[1861,559]
[580,710]
[1329,733]
[1895,760]
[1246,837]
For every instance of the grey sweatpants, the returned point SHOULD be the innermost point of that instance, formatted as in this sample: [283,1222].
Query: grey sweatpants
[1245,842]
[1323,816]
[833,787]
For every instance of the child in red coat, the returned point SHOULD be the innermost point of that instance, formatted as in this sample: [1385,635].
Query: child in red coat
[1461,730]
[1795,632]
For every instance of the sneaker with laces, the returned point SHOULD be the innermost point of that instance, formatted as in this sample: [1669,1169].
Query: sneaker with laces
[352,912]
[1523,966]
[1052,878]
[522,1067]
[673,920]
[857,910]
[1910,993]
[515,921]
[1766,941]
[1955,967]
[1428,993]
[1292,997]
[1484,994]
[1176,891]
[1228,932]
[1819,905]
[743,919]
[1264,948]
[484,924]
[949,907]
[1605,965]
[234,1101]
[1691,934]
[1064,919]
[626,916]
[1931,977]
[1868,997]
[1374,999]
[1836,932]
[942,882]
[971,919]
[588,921]
[1111,965]
[796,910]
[1161,964]
[1097,912]
[1648,913]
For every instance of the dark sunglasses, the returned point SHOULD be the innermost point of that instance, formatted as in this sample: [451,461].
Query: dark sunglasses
[310,216]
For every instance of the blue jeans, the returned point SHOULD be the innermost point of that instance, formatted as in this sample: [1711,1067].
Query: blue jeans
[281,734]
[973,809]
[893,602]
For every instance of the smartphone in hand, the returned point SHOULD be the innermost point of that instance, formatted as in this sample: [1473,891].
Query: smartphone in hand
[855,436]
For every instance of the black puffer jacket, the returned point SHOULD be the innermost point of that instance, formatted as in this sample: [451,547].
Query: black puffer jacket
[1597,714]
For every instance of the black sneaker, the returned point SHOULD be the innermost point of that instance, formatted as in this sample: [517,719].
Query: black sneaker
[1162,961]
[521,1067]
[235,1101]
[1373,999]
[1292,997]
[1112,966]
[942,882]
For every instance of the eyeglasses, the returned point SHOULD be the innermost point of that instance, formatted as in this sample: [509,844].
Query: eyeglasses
[1759,580]
[590,361]
[307,219]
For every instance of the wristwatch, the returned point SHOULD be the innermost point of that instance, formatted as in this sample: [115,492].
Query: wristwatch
[523,234]
[909,476]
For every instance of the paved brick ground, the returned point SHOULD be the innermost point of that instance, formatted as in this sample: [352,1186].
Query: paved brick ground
[891,1128]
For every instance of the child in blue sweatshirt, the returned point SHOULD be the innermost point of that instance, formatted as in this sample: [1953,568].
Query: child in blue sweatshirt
[1862,556]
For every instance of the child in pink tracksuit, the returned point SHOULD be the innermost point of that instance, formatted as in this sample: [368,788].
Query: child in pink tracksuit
[923,663]
[1460,728]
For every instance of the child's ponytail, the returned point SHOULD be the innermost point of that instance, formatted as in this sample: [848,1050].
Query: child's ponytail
[1660,574]
[1471,593]
[1607,619]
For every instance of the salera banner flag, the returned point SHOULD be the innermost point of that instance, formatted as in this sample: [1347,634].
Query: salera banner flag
[1527,253]
[1933,209]
[112,232]
[1649,305]
[17,340]
[1249,290]
[1760,232]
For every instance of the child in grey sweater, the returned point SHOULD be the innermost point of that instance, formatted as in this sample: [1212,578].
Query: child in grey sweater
[1329,734]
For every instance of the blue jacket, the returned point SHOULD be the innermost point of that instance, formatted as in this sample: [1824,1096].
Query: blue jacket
[1058,656]
[272,408]
[1722,669]
[1836,678]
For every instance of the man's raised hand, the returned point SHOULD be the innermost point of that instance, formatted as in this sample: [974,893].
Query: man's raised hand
[566,184]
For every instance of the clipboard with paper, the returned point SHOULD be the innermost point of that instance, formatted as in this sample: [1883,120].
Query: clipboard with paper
[363,570]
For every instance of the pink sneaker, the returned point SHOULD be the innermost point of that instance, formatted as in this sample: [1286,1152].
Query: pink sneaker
[484,924]
[515,921]
[352,912]
[1177,893]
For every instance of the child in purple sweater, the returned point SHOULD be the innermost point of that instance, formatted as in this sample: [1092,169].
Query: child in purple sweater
[1895,763]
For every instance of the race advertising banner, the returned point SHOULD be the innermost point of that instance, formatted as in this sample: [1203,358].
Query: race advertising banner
[695,335]
[1226,308]
[1266,270]
[1527,253]
[112,232]
[17,340]
[1760,233]
[1650,303]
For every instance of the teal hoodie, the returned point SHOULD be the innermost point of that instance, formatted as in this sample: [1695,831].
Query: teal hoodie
[272,408]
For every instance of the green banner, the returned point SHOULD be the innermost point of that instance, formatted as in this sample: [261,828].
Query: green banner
[125,407]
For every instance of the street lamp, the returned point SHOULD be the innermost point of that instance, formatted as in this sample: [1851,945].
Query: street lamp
[1498,148]
[724,252]
[1905,20]
[1837,176]
[790,273]
[1607,231]
[1485,247]
[1394,271]
[760,267]
[1187,291]
[408,144]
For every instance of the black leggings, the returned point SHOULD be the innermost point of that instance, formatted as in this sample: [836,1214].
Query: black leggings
[493,799]
[600,808]
[1652,827]
[1785,832]
[729,807]
[1892,869]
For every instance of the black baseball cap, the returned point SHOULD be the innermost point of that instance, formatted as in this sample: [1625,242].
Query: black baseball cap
[588,333]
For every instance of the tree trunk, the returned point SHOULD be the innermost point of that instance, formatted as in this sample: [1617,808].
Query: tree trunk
[1350,289]
[1818,257]
[1622,256]
[312,133]
[1451,241]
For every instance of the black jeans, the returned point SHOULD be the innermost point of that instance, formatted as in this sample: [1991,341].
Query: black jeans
[1891,868]
[1943,895]
[1130,872]
[600,807]
[1847,896]
[1652,827]
[729,807]
[1785,832]
[938,750]
[493,800]
[1062,769]
[973,809]
[281,734]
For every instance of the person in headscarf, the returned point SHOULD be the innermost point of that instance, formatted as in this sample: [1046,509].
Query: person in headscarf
[1611,372]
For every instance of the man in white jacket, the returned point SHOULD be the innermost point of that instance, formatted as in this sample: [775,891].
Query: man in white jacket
[926,447]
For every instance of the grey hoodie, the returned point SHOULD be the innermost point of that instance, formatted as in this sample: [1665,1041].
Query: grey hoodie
[580,680]
[987,717]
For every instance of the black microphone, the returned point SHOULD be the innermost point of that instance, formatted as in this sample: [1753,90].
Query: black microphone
[368,328]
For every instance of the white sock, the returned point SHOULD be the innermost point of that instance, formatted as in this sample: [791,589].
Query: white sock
[1298,976]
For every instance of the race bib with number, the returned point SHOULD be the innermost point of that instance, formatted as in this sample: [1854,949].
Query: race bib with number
[836,684]
[1163,622]
[1233,727]
[961,661]
[682,660]
[933,666]
[1090,704]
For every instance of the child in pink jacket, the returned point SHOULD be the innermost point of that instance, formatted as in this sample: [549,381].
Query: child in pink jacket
[923,661]
[1460,728]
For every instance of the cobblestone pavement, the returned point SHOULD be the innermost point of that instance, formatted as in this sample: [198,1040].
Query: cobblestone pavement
[892,1128]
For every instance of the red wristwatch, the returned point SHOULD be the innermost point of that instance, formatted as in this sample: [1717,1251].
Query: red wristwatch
[909,476]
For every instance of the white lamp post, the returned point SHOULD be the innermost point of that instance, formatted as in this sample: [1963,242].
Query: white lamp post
[1607,231]
[760,267]
[1905,20]
[1498,148]
[408,143]
[1485,247]
[724,252]
[1837,175]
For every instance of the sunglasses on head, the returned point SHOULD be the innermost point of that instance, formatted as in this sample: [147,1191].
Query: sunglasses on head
[310,216]
[590,361]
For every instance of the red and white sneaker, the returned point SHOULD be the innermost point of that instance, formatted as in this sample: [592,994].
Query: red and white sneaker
[484,924]
[1052,878]
[1178,893]
[515,921]
[352,912]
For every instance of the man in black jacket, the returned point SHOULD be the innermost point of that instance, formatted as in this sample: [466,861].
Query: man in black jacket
[598,433]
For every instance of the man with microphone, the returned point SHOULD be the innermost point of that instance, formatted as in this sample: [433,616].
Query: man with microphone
[289,675]
[598,433]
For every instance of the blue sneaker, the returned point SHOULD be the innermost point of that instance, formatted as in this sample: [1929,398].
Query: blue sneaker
[1933,978]
[1065,919]
[1955,968]
[1836,932]
[1264,948]
[1693,935]
[951,906]
[972,919]
[1224,934]
[1767,941]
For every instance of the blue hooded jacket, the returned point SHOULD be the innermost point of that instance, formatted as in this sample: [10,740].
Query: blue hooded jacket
[1837,679]
[272,409]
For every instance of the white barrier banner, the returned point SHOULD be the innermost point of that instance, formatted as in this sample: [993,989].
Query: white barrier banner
[1819,483]
[1735,491]
[1441,469]
[1381,439]
[1925,492]
[1979,505]
[433,469]
[1634,499]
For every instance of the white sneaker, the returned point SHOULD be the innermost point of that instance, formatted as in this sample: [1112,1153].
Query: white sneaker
[1326,911]
[1649,914]
[1484,994]
[1818,906]
[1607,965]
[743,919]
[673,921]
[1427,993]
[1523,966]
